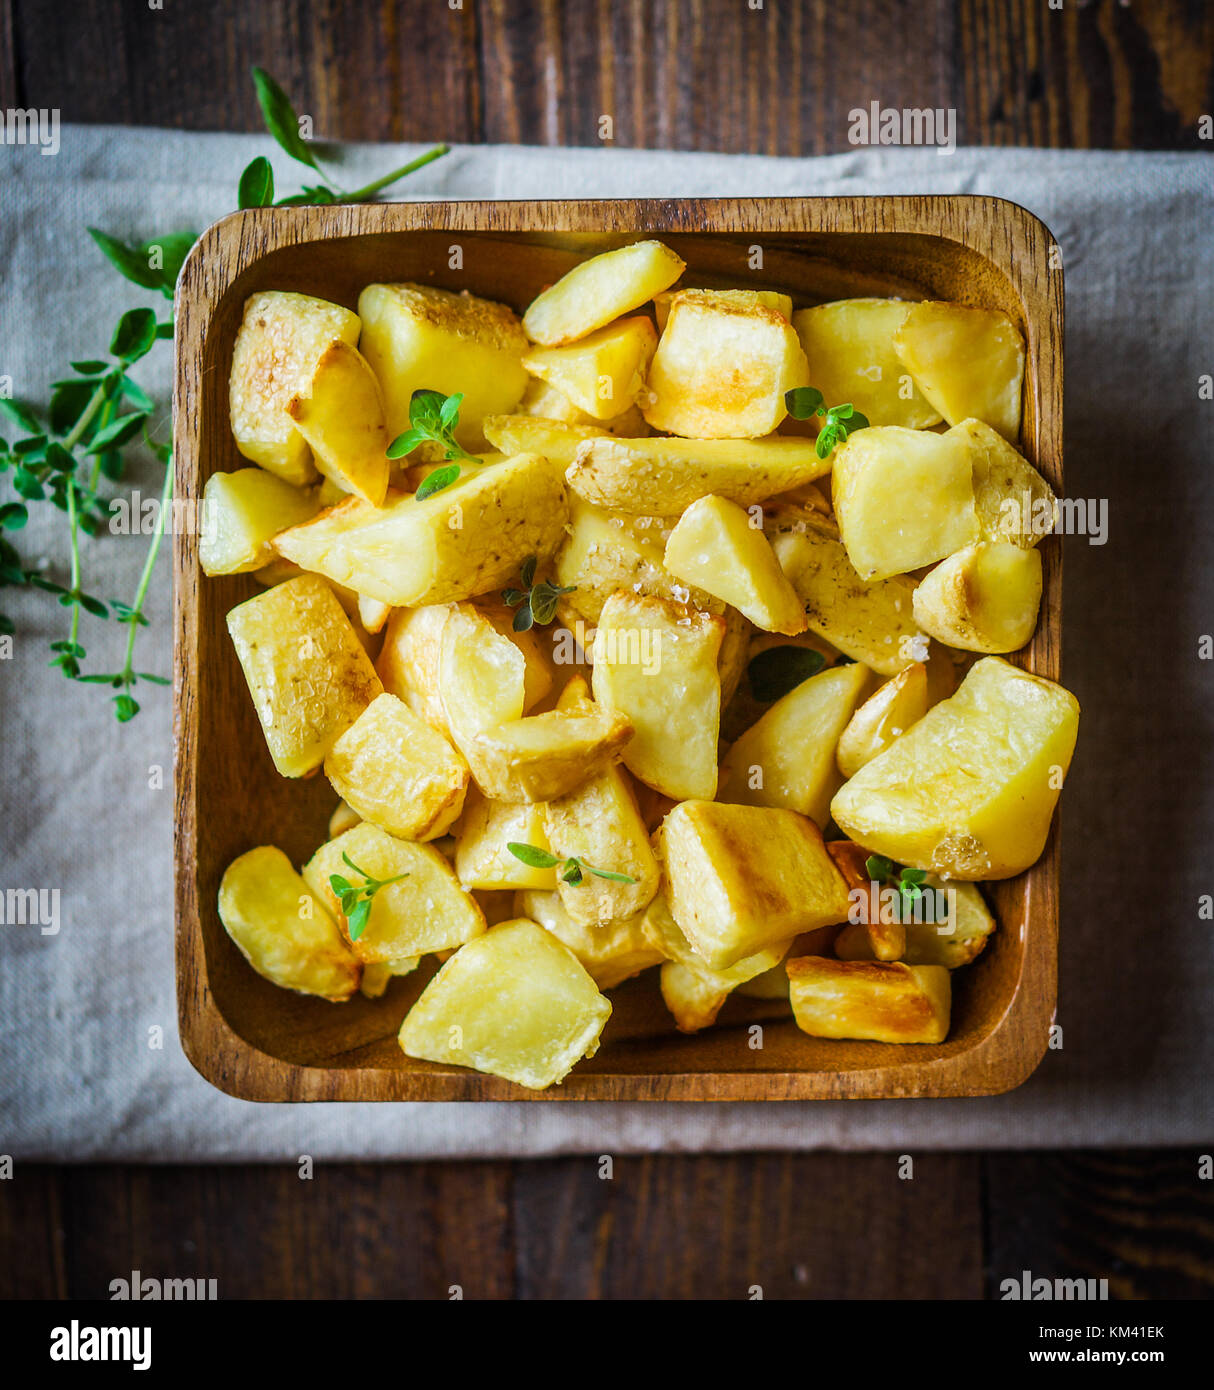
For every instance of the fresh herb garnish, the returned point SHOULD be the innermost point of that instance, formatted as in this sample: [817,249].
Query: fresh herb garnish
[436,481]
[285,126]
[356,901]
[98,416]
[906,881]
[433,418]
[535,601]
[804,402]
[573,870]
[778,670]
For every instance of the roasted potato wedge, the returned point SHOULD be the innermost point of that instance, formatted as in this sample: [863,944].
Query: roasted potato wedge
[612,951]
[665,476]
[599,823]
[655,662]
[601,289]
[921,802]
[605,551]
[666,937]
[924,480]
[482,860]
[545,756]
[306,670]
[408,663]
[481,676]
[603,372]
[467,539]
[716,548]
[281,338]
[284,933]
[1013,501]
[420,908]
[967,362]
[876,1000]
[516,1002]
[341,415]
[739,878]
[870,622]
[419,337]
[395,771]
[884,716]
[850,348]
[788,758]
[555,439]
[722,367]
[982,599]
[242,512]
[693,998]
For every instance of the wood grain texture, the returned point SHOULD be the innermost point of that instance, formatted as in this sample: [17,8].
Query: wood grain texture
[262,1043]
[800,1226]
[8,57]
[781,1223]
[683,74]
[1144,1222]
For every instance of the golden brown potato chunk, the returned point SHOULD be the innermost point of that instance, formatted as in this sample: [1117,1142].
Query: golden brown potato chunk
[281,337]
[969,791]
[307,672]
[284,933]
[422,338]
[516,1003]
[397,772]
[903,499]
[788,757]
[884,1001]
[655,662]
[982,599]
[599,290]
[723,365]
[850,347]
[739,878]
[341,415]
[967,362]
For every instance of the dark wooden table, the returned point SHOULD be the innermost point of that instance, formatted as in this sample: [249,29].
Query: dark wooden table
[778,78]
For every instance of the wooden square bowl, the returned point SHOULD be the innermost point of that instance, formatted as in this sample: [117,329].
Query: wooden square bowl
[262,1043]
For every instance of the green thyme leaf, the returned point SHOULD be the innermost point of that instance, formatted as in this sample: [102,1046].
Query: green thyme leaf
[118,432]
[533,856]
[127,260]
[878,867]
[280,118]
[438,480]
[256,189]
[611,874]
[135,335]
[804,402]
[356,918]
[773,673]
[20,415]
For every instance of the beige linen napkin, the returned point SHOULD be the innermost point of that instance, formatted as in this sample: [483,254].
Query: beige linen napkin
[87,803]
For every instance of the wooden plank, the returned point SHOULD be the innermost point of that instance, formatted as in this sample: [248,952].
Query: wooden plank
[403,1231]
[690,74]
[361,72]
[10,94]
[1143,1221]
[662,1226]
[32,1235]
[804,1226]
